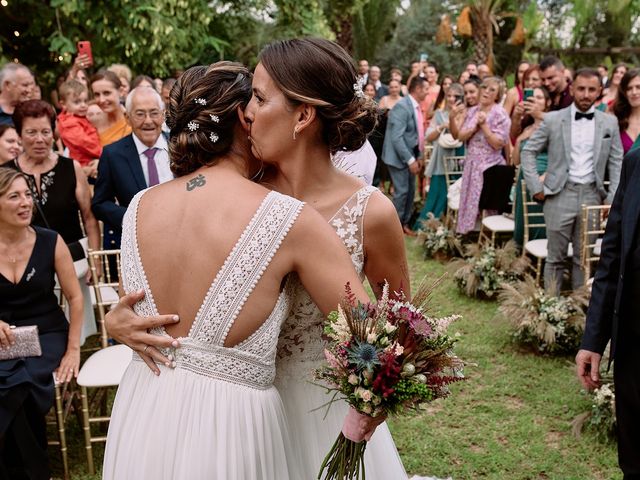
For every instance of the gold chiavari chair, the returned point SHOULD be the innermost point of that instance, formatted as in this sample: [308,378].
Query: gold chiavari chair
[105,274]
[453,167]
[593,225]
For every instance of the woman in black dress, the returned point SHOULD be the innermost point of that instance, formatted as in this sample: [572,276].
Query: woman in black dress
[58,182]
[29,259]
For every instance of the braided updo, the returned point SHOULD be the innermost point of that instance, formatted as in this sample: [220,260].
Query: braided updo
[202,114]
[321,73]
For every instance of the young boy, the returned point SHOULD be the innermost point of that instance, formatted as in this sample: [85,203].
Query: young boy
[76,131]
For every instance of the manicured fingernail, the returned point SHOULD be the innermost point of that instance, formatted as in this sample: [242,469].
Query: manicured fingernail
[167,364]
[140,292]
[170,357]
[175,344]
[173,364]
[175,318]
[157,372]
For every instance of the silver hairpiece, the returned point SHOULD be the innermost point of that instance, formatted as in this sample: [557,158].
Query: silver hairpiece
[214,118]
[357,88]
[213,137]
[192,126]
[201,101]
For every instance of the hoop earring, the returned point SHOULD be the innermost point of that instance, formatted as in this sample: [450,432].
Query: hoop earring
[259,174]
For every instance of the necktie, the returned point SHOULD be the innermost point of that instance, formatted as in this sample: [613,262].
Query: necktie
[151,166]
[420,128]
[587,116]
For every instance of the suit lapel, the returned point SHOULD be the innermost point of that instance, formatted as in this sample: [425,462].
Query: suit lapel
[597,140]
[133,160]
[566,135]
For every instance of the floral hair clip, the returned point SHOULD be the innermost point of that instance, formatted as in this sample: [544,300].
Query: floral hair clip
[214,118]
[192,126]
[201,101]
[213,137]
[357,88]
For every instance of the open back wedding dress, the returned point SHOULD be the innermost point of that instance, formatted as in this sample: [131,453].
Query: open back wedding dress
[216,415]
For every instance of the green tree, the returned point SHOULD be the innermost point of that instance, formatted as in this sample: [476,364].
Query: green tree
[372,26]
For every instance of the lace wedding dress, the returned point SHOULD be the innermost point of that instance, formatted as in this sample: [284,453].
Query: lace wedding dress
[216,415]
[300,352]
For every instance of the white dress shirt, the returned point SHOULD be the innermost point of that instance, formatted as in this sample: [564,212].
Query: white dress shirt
[161,158]
[359,163]
[581,168]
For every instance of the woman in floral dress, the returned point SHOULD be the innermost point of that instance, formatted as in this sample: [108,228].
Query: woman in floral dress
[486,130]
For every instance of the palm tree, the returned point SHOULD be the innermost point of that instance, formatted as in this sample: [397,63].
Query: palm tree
[482,17]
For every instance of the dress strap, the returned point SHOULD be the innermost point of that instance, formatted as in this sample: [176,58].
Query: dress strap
[349,221]
[244,267]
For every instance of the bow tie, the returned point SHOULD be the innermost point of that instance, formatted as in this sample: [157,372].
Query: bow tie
[587,116]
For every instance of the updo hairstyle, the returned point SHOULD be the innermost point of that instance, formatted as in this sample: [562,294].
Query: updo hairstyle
[321,73]
[202,114]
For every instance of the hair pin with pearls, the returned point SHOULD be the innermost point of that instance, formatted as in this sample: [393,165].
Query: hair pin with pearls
[213,137]
[201,101]
[214,118]
[192,126]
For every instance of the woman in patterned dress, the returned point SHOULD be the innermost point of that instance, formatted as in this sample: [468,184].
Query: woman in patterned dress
[486,131]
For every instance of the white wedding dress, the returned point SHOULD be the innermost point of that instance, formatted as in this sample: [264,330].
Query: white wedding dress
[300,352]
[217,415]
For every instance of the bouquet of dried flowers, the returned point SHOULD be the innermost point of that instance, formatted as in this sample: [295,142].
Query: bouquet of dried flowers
[384,358]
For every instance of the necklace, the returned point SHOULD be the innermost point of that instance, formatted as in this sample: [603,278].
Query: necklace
[15,259]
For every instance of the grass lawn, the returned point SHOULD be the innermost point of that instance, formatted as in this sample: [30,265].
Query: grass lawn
[510,420]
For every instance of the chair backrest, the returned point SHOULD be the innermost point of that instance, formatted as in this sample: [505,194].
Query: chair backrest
[105,275]
[532,218]
[453,167]
[593,225]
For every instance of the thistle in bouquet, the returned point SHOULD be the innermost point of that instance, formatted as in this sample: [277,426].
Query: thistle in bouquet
[383,358]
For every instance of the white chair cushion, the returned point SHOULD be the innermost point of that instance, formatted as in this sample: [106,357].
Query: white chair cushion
[598,247]
[106,367]
[498,223]
[538,248]
[81,267]
[453,194]
[109,295]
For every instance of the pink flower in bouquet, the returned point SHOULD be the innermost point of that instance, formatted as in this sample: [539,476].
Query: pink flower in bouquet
[333,360]
[421,326]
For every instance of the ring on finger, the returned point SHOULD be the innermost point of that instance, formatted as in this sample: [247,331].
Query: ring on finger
[144,350]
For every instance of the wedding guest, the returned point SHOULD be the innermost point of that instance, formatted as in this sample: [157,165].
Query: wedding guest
[16,84]
[381,175]
[59,185]
[445,83]
[471,92]
[157,84]
[142,81]
[554,79]
[363,70]
[516,93]
[76,131]
[433,89]
[403,145]
[396,74]
[369,90]
[133,163]
[167,85]
[436,201]
[612,88]
[389,101]
[603,70]
[484,71]
[472,68]
[10,146]
[519,118]
[125,76]
[106,88]
[627,109]
[542,99]
[583,146]
[463,77]
[29,259]
[613,316]
[486,131]
[374,78]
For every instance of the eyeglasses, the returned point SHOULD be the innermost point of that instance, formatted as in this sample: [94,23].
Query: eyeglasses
[141,114]
[34,133]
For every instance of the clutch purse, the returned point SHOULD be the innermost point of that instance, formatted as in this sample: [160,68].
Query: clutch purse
[27,344]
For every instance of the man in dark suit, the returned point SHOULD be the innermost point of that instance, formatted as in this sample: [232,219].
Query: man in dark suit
[402,149]
[614,314]
[131,164]
[374,79]
[583,146]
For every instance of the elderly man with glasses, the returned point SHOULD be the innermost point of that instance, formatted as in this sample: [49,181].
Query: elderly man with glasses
[135,162]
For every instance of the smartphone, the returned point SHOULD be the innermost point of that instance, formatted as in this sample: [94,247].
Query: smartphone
[424,57]
[528,93]
[459,99]
[84,48]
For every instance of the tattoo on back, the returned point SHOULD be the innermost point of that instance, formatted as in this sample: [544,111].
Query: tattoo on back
[198,181]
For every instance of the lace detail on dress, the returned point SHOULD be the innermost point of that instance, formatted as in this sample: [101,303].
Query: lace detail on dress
[301,338]
[252,362]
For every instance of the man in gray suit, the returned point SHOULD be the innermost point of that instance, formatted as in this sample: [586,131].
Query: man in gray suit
[583,144]
[402,149]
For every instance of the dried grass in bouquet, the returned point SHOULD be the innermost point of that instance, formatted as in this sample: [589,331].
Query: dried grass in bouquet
[385,358]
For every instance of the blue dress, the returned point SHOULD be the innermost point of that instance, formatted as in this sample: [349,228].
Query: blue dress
[26,384]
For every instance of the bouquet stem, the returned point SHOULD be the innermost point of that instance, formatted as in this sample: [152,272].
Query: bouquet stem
[345,460]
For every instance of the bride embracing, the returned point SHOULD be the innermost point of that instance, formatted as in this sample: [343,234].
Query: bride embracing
[304,108]
[216,413]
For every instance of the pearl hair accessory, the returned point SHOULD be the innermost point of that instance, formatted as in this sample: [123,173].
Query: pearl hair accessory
[357,88]
[201,101]
[192,126]
[213,137]
[214,118]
